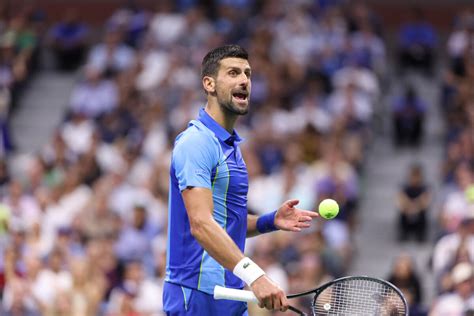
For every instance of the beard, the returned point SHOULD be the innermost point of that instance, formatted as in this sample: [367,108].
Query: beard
[227,104]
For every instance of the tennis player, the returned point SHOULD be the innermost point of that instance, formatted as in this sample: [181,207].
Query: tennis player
[208,220]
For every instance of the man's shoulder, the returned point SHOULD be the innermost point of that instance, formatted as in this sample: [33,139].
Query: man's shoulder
[196,134]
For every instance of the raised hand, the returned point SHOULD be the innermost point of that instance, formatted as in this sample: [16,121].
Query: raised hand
[290,218]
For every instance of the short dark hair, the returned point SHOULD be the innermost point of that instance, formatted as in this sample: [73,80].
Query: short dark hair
[210,63]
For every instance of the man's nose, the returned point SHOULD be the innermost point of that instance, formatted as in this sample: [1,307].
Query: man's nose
[244,80]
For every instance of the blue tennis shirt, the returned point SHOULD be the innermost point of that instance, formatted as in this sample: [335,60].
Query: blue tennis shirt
[205,155]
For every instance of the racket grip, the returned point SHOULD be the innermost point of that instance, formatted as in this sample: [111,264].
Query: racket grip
[223,293]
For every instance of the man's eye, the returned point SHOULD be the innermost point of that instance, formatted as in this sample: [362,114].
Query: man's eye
[233,73]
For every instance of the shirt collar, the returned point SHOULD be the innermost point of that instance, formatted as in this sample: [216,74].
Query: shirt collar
[221,133]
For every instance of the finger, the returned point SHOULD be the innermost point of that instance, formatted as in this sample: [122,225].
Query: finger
[295,229]
[284,303]
[276,303]
[304,219]
[292,203]
[308,213]
[269,304]
[303,225]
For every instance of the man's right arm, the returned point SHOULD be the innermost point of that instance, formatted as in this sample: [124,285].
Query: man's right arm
[210,235]
[215,240]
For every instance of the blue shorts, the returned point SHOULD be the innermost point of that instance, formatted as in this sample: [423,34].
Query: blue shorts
[182,301]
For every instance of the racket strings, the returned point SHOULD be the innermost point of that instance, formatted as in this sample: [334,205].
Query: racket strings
[359,297]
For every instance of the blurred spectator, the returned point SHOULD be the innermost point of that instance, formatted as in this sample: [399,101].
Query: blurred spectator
[55,280]
[404,276]
[265,257]
[5,177]
[22,208]
[450,250]
[136,295]
[366,41]
[417,40]
[461,300]
[111,56]
[96,220]
[88,288]
[13,72]
[69,41]
[135,239]
[21,294]
[456,205]
[408,118]
[22,36]
[94,96]
[413,202]
[133,20]
[167,25]
[351,109]
[460,41]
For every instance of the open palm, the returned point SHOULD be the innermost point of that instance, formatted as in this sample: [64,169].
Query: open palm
[290,218]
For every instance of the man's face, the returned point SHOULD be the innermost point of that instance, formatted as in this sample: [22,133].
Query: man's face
[233,85]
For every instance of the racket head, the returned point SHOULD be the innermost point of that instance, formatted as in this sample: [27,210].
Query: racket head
[359,295]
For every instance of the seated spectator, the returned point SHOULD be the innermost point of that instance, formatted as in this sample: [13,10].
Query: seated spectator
[22,207]
[456,206]
[24,38]
[78,134]
[167,26]
[133,20]
[96,220]
[20,295]
[461,300]
[13,73]
[136,295]
[413,202]
[366,40]
[362,78]
[135,239]
[54,280]
[404,276]
[459,41]
[417,40]
[451,249]
[69,40]
[408,118]
[87,291]
[95,95]
[351,108]
[112,56]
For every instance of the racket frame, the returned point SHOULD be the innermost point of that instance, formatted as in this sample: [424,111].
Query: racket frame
[317,291]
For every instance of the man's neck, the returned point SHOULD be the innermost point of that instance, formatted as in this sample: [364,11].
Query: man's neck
[224,119]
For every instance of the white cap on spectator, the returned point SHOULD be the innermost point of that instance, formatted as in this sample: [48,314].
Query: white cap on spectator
[462,272]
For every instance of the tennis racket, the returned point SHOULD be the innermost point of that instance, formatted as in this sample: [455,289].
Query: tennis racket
[347,296]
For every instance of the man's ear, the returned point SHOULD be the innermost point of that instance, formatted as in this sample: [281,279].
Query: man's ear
[209,84]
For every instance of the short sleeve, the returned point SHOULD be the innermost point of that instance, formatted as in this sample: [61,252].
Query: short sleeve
[194,156]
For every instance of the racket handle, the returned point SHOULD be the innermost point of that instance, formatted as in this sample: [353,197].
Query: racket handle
[223,293]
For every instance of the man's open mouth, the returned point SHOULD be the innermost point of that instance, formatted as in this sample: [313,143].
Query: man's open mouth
[242,96]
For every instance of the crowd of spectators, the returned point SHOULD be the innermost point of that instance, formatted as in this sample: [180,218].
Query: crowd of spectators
[83,228]
[452,259]
[19,41]
[453,256]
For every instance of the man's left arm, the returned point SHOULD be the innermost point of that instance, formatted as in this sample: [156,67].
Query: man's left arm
[287,217]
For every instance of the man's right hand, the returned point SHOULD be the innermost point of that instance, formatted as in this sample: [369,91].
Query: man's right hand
[269,295]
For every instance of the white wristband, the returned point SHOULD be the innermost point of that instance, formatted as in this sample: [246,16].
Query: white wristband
[248,271]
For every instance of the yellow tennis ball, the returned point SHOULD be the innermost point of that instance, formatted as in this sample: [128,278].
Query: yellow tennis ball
[328,208]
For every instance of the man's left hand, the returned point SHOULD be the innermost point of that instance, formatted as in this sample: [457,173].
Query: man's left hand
[293,219]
